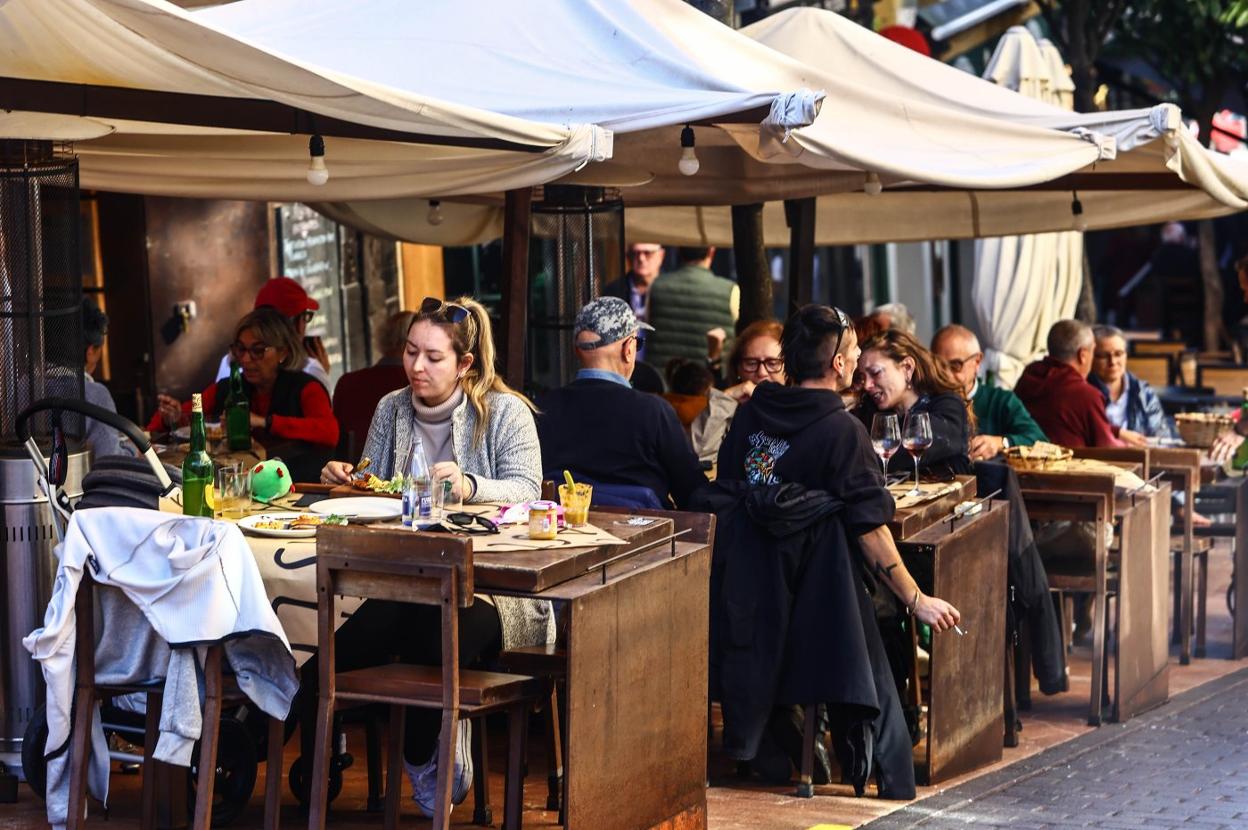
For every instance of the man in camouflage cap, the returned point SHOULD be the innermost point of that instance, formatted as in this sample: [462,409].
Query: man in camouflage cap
[601,429]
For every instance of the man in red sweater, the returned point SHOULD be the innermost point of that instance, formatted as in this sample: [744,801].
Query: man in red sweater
[1057,394]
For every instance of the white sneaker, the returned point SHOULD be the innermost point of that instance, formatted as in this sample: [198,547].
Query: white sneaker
[425,784]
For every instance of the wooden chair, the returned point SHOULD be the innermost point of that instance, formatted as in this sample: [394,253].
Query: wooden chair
[1155,369]
[550,663]
[216,690]
[1222,378]
[1181,467]
[1082,498]
[434,569]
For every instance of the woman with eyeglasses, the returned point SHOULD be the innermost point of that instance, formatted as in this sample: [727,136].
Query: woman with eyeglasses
[480,436]
[291,416]
[756,359]
[902,377]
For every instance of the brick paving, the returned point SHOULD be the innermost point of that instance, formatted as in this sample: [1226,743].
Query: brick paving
[1185,764]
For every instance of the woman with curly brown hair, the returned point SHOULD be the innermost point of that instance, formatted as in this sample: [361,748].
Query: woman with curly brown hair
[901,377]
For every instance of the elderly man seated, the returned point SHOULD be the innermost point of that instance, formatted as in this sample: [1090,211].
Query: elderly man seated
[1001,419]
[1056,392]
[598,426]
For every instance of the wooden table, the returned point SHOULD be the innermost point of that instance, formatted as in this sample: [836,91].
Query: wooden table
[1238,496]
[1181,467]
[1141,525]
[941,553]
[964,561]
[637,662]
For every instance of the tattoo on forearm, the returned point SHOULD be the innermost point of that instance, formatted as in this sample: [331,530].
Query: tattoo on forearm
[885,572]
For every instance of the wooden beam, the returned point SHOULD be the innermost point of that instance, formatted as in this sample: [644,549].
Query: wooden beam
[799,214]
[212,111]
[1081,182]
[753,275]
[517,219]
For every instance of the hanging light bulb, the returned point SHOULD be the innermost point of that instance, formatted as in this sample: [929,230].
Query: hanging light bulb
[1078,222]
[318,174]
[435,217]
[873,186]
[688,163]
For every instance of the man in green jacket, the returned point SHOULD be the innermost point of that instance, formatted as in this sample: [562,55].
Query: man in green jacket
[1002,420]
[686,306]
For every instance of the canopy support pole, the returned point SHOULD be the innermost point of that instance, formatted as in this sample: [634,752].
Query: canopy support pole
[753,275]
[517,222]
[799,214]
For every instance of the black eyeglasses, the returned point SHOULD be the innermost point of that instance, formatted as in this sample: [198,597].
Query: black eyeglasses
[470,522]
[844,323]
[957,363]
[449,312]
[771,364]
[306,316]
[256,351]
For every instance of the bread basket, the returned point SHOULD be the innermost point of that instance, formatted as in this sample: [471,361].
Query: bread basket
[1201,429]
[1039,456]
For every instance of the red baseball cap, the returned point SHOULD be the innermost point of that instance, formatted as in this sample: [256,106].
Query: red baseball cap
[287,296]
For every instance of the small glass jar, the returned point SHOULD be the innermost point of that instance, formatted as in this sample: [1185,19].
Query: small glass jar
[543,520]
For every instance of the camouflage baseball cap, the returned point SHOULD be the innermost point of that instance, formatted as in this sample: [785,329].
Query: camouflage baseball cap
[610,318]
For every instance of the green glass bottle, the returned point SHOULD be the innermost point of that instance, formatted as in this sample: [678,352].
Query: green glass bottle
[197,468]
[1240,461]
[237,411]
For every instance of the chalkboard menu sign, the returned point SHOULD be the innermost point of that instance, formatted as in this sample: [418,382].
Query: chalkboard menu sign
[308,253]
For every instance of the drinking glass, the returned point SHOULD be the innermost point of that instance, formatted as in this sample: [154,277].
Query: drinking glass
[916,437]
[885,437]
[575,501]
[233,491]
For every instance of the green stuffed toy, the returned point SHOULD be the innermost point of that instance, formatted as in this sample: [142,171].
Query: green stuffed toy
[270,480]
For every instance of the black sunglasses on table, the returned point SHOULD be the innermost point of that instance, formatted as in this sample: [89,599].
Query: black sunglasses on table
[471,523]
[450,312]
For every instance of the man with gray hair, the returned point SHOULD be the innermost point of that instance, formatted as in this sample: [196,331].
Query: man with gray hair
[1002,420]
[894,316]
[1056,391]
[602,429]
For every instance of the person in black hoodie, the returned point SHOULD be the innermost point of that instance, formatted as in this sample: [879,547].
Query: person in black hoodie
[902,377]
[802,434]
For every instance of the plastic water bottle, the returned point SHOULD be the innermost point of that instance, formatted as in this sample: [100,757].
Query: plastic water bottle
[418,488]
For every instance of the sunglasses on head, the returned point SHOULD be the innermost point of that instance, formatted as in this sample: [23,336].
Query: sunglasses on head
[449,312]
[471,523]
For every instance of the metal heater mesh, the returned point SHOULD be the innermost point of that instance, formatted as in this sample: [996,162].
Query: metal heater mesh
[41,341]
[578,246]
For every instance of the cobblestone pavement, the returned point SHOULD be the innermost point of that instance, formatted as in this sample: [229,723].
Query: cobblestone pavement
[1185,764]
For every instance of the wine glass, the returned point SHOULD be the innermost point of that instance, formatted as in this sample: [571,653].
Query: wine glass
[916,438]
[885,437]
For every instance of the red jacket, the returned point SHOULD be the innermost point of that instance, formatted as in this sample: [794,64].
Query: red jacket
[1068,408]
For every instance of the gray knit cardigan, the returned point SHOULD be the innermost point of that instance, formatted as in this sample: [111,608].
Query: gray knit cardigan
[506,466]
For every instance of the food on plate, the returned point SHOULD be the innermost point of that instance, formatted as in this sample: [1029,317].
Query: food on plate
[378,485]
[303,521]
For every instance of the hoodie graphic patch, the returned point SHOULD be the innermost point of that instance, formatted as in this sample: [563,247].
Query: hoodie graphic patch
[760,461]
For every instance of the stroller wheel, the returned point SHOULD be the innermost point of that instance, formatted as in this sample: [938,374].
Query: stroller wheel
[34,767]
[236,773]
[301,781]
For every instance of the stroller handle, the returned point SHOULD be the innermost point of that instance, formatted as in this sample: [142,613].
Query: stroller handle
[105,416]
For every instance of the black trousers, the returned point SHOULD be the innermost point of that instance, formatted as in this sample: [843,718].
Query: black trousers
[383,632]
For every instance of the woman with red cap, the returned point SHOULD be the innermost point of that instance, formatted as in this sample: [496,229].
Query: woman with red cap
[288,297]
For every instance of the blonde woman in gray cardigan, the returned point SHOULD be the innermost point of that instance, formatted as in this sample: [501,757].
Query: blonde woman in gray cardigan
[479,435]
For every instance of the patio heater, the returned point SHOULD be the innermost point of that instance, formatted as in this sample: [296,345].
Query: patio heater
[577,247]
[41,355]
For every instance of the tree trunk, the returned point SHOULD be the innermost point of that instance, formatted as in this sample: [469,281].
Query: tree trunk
[1211,279]
[1085,309]
[753,275]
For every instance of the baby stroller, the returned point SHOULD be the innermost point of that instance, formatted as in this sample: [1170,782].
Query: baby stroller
[242,732]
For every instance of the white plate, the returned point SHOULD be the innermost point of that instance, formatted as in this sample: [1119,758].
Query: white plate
[248,524]
[184,433]
[360,508]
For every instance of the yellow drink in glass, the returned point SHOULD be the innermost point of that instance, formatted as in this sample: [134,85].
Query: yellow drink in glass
[575,501]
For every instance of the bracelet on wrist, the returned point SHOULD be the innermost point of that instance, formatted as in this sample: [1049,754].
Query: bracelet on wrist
[914,604]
